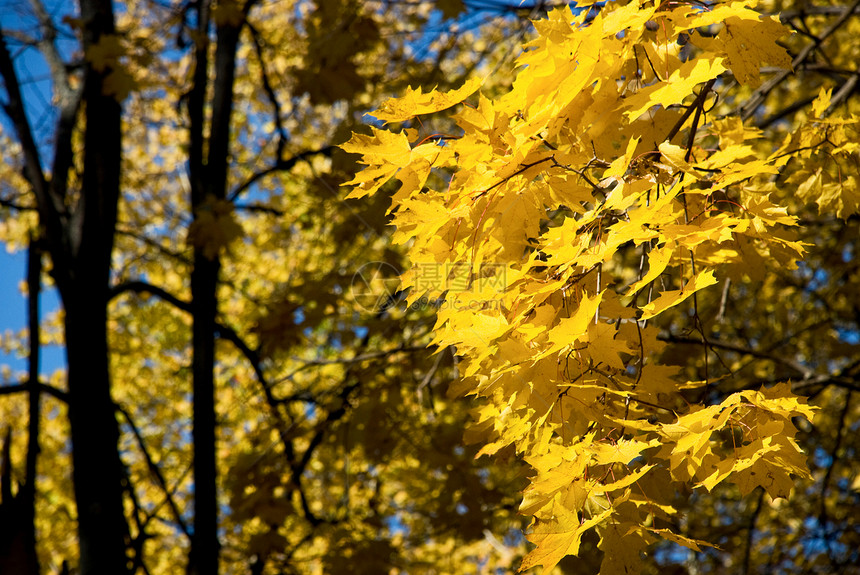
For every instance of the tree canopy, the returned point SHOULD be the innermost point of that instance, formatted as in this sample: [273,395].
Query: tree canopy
[612,328]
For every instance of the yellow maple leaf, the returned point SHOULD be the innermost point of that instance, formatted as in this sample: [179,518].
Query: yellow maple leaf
[227,13]
[700,18]
[384,152]
[694,544]
[119,83]
[214,227]
[604,345]
[658,260]
[672,298]
[775,480]
[749,43]
[415,102]
[660,379]
[572,329]
[105,53]
[627,480]
[557,537]
[381,147]
[841,198]
[678,86]
[451,8]
[622,451]
[622,545]
[822,102]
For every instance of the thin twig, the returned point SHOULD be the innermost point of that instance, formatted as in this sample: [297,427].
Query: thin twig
[748,108]
[155,470]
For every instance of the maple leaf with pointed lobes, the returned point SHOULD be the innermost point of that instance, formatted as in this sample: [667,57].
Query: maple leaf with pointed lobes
[215,227]
[658,261]
[605,346]
[564,179]
[415,102]
[672,298]
[676,88]
[119,84]
[748,43]
[451,8]
[106,52]
[822,102]
[573,329]
[622,545]
[622,451]
[557,537]
[384,152]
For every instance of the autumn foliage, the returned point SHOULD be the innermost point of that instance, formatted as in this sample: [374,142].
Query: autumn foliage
[609,149]
[579,296]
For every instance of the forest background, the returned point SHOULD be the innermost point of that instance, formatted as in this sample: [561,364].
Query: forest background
[246,389]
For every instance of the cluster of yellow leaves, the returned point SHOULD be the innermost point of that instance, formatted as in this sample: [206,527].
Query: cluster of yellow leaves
[827,149]
[214,227]
[337,32]
[107,56]
[583,205]
[766,454]
[286,292]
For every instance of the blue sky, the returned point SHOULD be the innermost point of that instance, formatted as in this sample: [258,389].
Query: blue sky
[13,311]
[16,14]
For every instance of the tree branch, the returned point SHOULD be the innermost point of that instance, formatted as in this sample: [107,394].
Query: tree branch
[696,106]
[66,95]
[799,368]
[14,110]
[281,165]
[140,287]
[270,92]
[43,387]
[156,471]
[748,108]
[153,244]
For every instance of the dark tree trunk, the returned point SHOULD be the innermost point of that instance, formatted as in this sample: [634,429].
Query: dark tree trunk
[79,233]
[208,179]
[203,559]
[97,476]
[82,268]
[205,545]
[17,529]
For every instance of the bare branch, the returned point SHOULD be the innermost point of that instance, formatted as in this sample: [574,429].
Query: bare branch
[14,109]
[156,471]
[696,106]
[280,165]
[43,387]
[842,94]
[66,95]
[153,244]
[749,108]
[815,11]
[270,91]
[806,372]
[12,204]
[139,287]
